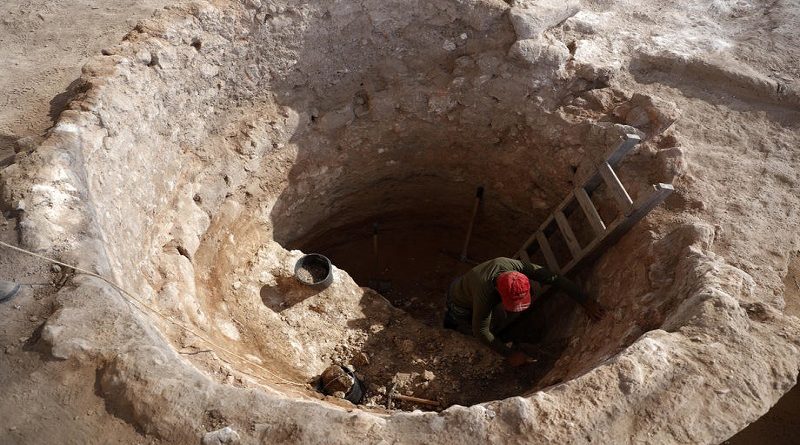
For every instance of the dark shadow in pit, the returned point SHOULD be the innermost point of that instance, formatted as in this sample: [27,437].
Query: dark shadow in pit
[779,426]
[385,142]
[436,367]
[418,260]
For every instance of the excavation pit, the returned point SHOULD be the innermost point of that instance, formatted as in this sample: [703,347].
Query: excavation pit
[310,154]
[217,144]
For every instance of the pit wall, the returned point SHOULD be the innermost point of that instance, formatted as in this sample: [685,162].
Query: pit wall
[673,384]
[243,109]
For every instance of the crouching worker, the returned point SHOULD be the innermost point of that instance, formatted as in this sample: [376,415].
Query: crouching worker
[493,294]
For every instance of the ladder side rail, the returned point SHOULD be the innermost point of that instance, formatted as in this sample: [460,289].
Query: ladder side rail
[622,224]
[623,148]
[624,201]
[612,157]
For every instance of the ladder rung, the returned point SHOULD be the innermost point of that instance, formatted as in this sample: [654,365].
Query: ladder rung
[590,211]
[616,188]
[569,236]
[552,264]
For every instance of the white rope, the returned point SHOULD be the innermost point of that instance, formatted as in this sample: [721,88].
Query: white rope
[131,298]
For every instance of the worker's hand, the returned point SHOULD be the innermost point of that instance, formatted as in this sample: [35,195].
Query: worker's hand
[519,358]
[594,310]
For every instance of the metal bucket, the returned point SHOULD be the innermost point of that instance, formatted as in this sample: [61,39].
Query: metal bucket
[314,261]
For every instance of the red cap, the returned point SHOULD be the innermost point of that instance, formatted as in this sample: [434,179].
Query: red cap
[515,291]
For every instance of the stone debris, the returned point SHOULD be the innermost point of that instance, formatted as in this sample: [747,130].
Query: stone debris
[335,380]
[223,436]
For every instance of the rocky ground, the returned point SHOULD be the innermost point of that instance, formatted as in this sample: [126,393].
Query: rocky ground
[725,115]
[43,45]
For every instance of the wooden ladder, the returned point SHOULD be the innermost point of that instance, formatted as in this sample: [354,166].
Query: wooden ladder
[605,236]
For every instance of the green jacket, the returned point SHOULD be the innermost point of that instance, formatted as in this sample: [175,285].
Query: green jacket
[476,290]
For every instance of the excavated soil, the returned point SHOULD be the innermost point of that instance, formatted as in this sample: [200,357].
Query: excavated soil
[205,154]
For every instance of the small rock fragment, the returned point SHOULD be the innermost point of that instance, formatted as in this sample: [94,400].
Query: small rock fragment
[224,436]
[361,359]
[335,379]
[405,345]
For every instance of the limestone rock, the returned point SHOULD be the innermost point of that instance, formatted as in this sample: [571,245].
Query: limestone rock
[334,379]
[540,52]
[533,18]
[647,113]
[223,436]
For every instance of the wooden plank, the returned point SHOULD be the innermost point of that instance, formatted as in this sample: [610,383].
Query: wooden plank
[552,264]
[523,255]
[616,188]
[621,225]
[590,211]
[628,142]
[569,236]
[612,158]
[546,223]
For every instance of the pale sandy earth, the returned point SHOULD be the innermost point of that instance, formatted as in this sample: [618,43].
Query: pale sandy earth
[42,47]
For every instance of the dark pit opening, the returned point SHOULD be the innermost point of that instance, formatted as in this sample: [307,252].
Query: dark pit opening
[415,260]
[400,133]
[410,257]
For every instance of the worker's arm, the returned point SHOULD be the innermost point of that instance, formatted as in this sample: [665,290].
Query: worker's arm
[481,323]
[545,276]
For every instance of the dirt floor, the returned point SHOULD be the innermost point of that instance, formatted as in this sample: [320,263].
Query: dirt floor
[43,397]
[43,44]
[414,265]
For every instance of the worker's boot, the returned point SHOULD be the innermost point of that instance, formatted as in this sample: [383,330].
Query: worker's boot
[8,290]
